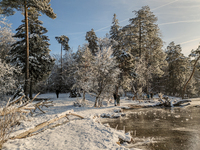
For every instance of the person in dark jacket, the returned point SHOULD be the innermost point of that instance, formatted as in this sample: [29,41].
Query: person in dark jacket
[118,100]
[57,93]
[115,98]
[151,95]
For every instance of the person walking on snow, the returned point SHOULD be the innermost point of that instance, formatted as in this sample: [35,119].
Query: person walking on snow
[115,98]
[57,93]
[118,100]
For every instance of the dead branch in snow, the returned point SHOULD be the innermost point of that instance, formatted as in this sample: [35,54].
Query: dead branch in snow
[38,127]
[14,112]
[27,107]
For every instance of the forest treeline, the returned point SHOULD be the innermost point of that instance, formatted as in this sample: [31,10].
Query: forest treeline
[129,58]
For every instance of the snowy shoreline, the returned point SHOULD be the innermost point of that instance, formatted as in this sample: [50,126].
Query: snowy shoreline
[87,133]
[80,134]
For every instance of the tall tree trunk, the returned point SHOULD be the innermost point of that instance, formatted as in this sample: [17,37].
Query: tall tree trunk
[184,88]
[83,95]
[61,58]
[140,40]
[26,88]
[31,88]
[96,100]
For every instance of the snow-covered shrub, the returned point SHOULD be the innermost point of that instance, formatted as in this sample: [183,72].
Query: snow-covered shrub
[80,103]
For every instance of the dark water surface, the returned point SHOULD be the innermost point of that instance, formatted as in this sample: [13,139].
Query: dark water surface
[162,129]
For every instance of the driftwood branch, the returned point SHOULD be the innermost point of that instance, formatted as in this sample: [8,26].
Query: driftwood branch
[42,125]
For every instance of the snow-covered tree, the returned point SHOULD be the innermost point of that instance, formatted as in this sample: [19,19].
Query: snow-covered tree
[143,39]
[7,7]
[83,70]
[6,38]
[69,68]
[103,76]
[92,40]
[115,29]
[137,78]
[40,61]
[8,83]
[195,63]
[179,69]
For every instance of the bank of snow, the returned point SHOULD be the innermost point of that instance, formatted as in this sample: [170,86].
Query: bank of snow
[76,134]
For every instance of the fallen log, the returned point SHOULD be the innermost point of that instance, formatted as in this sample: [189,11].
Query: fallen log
[42,125]
[178,103]
[41,99]
[172,103]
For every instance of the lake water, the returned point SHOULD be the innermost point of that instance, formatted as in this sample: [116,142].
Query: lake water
[161,128]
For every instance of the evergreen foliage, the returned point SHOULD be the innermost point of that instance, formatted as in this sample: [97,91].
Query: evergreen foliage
[92,40]
[142,38]
[179,69]
[63,40]
[131,57]
[7,7]
[40,61]
[122,54]
[43,6]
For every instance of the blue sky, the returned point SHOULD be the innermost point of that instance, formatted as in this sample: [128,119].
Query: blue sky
[178,20]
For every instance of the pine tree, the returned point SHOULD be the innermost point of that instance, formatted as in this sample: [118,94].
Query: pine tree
[122,54]
[178,69]
[7,7]
[40,61]
[92,40]
[115,29]
[142,38]
[63,40]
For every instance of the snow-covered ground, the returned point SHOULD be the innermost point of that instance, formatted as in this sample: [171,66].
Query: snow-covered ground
[77,134]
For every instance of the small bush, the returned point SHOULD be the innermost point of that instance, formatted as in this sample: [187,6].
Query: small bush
[9,118]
